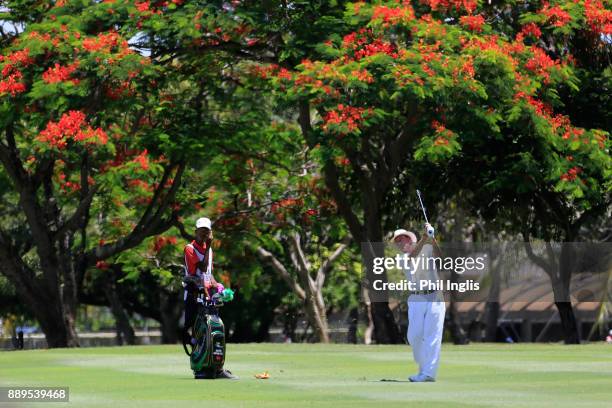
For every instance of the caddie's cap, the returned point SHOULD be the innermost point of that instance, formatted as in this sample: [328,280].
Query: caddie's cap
[203,223]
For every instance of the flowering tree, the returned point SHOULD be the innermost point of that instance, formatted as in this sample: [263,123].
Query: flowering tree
[79,146]
[448,85]
[102,104]
[267,195]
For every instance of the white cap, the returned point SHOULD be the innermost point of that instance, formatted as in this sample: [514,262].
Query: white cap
[402,231]
[203,223]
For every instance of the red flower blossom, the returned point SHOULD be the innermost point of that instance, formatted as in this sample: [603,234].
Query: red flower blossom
[349,40]
[350,116]
[393,15]
[122,89]
[363,44]
[21,57]
[59,73]
[104,42]
[376,47]
[71,126]
[12,85]
[363,75]
[540,63]
[571,174]
[531,29]
[473,23]
[556,15]
[142,7]
[444,135]
[427,69]
[598,17]
[161,242]
[440,141]
[445,5]
[143,159]
[342,161]
[311,212]
[69,186]
[540,107]
[467,68]
[560,124]
[12,75]
[140,184]
[284,73]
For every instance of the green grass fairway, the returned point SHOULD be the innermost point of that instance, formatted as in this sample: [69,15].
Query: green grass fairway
[312,375]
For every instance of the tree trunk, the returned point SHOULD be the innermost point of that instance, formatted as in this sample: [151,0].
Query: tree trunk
[568,322]
[372,190]
[454,325]
[58,328]
[317,318]
[492,307]
[560,273]
[367,303]
[456,330]
[307,289]
[170,309]
[353,321]
[568,260]
[386,330]
[491,319]
[122,320]
[385,327]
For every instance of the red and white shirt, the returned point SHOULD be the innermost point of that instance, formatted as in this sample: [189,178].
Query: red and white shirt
[195,253]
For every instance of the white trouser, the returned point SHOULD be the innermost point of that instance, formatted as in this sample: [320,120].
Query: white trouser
[425,328]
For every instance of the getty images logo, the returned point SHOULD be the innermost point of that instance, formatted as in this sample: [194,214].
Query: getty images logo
[405,262]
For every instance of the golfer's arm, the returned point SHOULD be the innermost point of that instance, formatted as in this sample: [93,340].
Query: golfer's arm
[418,247]
[437,252]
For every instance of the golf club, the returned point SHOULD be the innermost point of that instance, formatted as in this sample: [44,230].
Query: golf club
[430,230]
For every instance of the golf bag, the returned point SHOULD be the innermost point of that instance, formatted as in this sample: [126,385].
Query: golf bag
[207,355]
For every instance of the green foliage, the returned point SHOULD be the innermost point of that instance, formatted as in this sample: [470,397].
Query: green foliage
[482,100]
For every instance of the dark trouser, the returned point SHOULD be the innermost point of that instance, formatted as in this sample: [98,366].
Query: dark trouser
[191,311]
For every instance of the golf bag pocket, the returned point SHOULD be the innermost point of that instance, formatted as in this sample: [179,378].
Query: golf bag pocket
[217,342]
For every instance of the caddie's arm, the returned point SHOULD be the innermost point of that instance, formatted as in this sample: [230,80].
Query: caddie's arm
[203,264]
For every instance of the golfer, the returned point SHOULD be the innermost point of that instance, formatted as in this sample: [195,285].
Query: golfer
[426,308]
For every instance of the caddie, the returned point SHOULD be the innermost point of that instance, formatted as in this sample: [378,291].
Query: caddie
[198,270]
[426,307]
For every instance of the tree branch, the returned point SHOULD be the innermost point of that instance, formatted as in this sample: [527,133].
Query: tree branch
[302,263]
[330,172]
[74,221]
[147,226]
[344,206]
[328,263]
[13,267]
[538,260]
[267,257]
[144,219]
